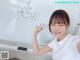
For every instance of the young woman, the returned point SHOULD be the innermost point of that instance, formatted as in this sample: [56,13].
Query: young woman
[65,46]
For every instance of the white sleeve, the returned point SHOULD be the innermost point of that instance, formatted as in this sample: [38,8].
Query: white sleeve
[54,45]
[74,44]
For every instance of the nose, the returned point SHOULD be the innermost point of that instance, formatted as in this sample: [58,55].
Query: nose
[56,27]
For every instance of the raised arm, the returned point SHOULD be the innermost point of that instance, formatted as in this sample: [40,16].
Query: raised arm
[35,45]
[78,46]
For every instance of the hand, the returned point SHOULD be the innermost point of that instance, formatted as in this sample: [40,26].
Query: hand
[37,30]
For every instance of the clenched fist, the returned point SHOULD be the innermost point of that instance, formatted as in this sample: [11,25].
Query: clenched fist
[37,29]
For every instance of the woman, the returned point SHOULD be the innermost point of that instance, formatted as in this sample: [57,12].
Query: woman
[65,46]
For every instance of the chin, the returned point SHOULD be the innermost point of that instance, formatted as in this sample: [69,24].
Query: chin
[58,36]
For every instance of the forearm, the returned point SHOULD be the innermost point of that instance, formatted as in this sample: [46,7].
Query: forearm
[35,45]
[79,47]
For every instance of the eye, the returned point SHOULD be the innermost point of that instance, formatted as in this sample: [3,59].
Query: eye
[61,24]
[52,24]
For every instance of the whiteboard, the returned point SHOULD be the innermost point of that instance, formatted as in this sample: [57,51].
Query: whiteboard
[17,25]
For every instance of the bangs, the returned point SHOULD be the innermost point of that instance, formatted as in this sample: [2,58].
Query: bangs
[58,19]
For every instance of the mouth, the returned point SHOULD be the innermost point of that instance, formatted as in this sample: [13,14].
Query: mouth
[57,33]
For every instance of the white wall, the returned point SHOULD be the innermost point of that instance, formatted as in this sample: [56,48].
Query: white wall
[14,27]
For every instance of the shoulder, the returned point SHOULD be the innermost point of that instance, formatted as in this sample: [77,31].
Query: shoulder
[75,39]
[54,45]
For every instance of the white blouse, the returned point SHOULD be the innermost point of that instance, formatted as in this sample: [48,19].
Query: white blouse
[65,49]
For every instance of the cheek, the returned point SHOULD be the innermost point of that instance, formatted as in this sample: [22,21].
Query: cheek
[52,29]
[63,29]
[59,29]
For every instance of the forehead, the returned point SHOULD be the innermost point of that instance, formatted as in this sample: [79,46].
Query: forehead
[58,20]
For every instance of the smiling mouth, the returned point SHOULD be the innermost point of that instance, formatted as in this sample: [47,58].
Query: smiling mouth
[57,33]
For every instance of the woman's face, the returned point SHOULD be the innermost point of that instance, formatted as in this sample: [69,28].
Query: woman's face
[58,29]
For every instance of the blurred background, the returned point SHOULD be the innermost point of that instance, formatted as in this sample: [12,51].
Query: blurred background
[19,17]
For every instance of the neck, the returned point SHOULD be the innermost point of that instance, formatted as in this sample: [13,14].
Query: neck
[62,37]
